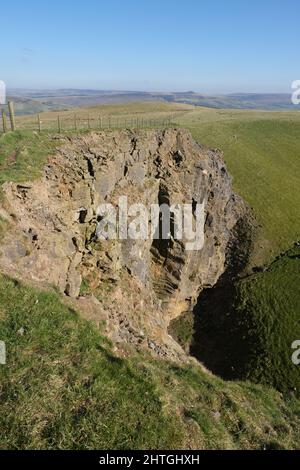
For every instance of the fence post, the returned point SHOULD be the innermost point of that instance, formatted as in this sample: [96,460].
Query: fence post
[58,124]
[39,123]
[4,121]
[100,122]
[11,115]
[89,123]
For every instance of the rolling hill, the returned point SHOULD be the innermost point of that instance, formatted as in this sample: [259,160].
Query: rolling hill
[33,101]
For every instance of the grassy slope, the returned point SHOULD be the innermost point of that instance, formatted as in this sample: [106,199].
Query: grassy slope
[23,155]
[267,309]
[62,387]
[116,112]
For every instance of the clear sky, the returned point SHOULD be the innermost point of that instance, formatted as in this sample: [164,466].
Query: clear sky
[206,46]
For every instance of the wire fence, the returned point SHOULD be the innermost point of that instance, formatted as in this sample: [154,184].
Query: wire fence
[61,123]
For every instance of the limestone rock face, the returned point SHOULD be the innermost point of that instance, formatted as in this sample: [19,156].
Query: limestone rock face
[140,285]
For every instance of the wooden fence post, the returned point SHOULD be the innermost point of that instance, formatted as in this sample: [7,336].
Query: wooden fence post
[89,123]
[12,115]
[4,121]
[58,124]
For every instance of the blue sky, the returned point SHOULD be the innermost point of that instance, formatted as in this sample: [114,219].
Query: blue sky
[207,46]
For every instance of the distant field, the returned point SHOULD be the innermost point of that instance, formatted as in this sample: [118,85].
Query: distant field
[261,148]
[114,116]
[34,101]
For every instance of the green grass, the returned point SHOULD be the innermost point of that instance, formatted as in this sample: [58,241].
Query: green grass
[182,329]
[267,309]
[62,387]
[23,155]
[116,113]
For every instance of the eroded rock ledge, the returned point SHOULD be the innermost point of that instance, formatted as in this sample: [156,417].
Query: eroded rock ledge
[138,286]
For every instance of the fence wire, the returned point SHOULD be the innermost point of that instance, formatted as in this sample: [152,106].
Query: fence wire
[83,123]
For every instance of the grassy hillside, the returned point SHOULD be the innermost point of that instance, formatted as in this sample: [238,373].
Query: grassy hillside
[23,155]
[63,387]
[119,115]
[267,311]
[34,101]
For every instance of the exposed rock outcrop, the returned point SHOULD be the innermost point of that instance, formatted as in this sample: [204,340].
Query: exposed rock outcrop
[140,285]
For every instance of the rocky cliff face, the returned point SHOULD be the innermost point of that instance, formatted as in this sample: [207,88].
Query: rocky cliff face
[136,286]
